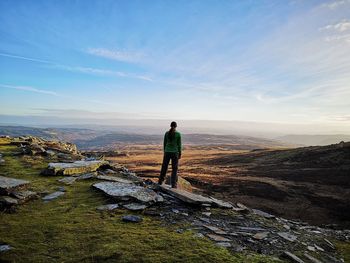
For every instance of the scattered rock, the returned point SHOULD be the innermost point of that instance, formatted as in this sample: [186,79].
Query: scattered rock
[135,206]
[68,180]
[262,213]
[8,201]
[287,236]
[292,257]
[199,235]
[221,204]
[311,248]
[53,196]
[329,244]
[24,195]
[311,258]
[86,176]
[223,244]
[125,191]
[109,207]
[206,213]
[4,248]
[132,218]
[8,185]
[244,228]
[114,179]
[216,230]
[318,248]
[61,189]
[261,235]
[77,167]
[218,238]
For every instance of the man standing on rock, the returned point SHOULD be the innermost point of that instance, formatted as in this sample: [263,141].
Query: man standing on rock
[172,151]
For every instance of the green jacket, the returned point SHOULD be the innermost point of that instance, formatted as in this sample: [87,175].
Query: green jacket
[172,146]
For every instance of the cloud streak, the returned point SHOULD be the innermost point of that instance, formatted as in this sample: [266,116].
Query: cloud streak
[30,89]
[118,55]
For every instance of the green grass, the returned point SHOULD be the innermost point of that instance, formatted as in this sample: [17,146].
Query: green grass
[69,229]
[344,249]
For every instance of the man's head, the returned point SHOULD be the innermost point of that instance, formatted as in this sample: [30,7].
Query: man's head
[173,124]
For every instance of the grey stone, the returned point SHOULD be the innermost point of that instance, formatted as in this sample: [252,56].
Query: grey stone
[8,201]
[311,258]
[61,189]
[53,196]
[4,248]
[24,195]
[124,191]
[216,230]
[261,235]
[109,207]
[221,204]
[199,235]
[77,167]
[218,238]
[86,176]
[311,248]
[292,257]
[262,213]
[318,248]
[135,206]
[114,179]
[287,236]
[185,196]
[329,244]
[68,180]
[132,218]
[244,228]
[159,198]
[223,244]
[8,185]
[206,213]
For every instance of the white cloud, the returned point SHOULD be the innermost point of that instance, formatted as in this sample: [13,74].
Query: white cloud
[116,54]
[30,89]
[335,4]
[340,27]
[25,58]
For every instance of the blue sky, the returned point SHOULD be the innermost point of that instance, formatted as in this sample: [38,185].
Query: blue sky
[266,61]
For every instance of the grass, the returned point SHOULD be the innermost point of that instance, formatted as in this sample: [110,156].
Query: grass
[69,229]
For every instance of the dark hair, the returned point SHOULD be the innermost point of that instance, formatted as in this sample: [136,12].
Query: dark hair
[171,133]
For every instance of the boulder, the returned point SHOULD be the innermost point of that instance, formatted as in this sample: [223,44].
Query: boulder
[182,183]
[24,196]
[127,191]
[8,185]
[77,167]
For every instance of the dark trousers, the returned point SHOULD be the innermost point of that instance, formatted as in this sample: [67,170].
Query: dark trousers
[174,157]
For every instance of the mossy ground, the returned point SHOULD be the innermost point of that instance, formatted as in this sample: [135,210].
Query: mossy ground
[69,229]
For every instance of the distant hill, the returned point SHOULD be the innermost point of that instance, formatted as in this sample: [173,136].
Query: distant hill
[314,140]
[87,139]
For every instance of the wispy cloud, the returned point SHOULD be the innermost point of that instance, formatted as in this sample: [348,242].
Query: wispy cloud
[25,58]
[118,55]
[30,89]
[336,4]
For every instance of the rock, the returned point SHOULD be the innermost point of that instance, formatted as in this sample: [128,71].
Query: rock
[221,204]
[223,244]
[135,206]
[244,228]
[8,201]
[292,257]
[261,235]
[77,167]
[61,189]
[287,236]
[109,207]
[186,197]
[329,244]
[311,258]
[68,180]
[218,238]
[240,208]
[216,230]
[182,184]
[206,213]
[311,248]
[53,196]
[318,248]
[132,218]
[8,185]
[86,176]
[4,248]
[24,195]
[35,149]
[262,213]
[114,179]
[159,198]
[125,191]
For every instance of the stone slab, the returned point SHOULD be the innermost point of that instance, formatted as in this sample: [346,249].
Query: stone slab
[53,196]
[8,185]
[74,168]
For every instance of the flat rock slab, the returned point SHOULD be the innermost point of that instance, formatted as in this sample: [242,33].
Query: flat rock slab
[221,204]
[287,236]
[114,179]
[8,201]
[86,176]
[109,207]
[4,248]
[24,195]
[292,257]
[218,238]
[8,185]
[68,180]
[261,235]
[53,196]
[132,218]
[77,167]
[216,230]
[126,191]
[262,213]
[135,206]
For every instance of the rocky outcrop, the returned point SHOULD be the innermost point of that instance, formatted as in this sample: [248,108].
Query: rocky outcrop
[182,183]
[8,185]
[75,168]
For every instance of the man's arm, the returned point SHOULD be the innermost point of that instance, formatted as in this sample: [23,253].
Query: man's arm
[164,142]
[179,145]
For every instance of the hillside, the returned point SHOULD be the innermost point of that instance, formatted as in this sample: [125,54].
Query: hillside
[314,140]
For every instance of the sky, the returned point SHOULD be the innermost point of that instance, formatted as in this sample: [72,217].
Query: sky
[285,62]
